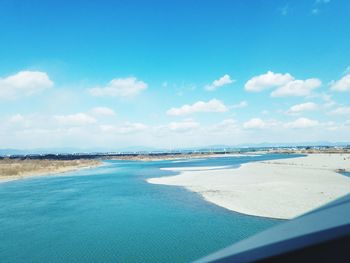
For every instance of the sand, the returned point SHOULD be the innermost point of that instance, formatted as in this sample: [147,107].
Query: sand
[283,188]
[15,169]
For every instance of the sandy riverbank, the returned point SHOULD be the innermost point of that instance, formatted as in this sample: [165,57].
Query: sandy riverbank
[283,188]
[14,169]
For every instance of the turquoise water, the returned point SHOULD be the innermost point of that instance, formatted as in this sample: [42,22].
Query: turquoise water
[110,214]
[347,174]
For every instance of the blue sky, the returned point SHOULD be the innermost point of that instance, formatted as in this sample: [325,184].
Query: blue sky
[120,73]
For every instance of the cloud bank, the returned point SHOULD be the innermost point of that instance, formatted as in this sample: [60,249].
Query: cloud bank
[121,87]
[284,85]
[213,105]
[342,84]
[24,83]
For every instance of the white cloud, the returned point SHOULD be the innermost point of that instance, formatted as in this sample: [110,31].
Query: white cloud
[239,105]
[341,111]
[228,122]
[32,120]
[298,108]
[302,123]
[102,111]
[24,83]
[17,118]
[122,87]
[224,80]
[331,126]
[347,70]
[45,131]
[255,123]
[213,105]
[267,80]
[297,88]
[342,84]
[75,119]
[284,84]
[126,128]
[226,126]
[178,128]
[328,101]
[183,126]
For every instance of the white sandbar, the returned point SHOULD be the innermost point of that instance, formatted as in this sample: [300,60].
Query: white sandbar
[283,188]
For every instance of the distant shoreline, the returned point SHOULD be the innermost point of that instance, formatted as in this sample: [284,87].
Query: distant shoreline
[167,157]
[177,155]
[22,166]
[15,169]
